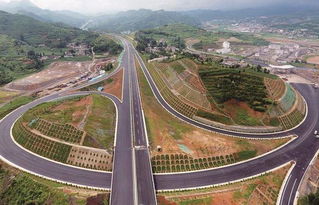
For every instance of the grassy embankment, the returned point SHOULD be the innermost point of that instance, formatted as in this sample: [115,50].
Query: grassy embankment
[14,104]
[101,122]
[260,190]
[161,123]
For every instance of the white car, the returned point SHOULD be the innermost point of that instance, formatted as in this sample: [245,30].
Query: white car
[316,134]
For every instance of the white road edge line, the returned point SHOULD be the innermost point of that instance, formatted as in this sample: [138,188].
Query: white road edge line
[234,164]
[225,183]
[145,130]
[284,185]
[135,197]
[303,177]
[292,189]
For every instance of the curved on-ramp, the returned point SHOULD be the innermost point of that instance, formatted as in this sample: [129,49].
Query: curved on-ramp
[27,161]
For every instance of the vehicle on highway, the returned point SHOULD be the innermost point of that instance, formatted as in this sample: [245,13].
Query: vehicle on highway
[316,134]
[315,86]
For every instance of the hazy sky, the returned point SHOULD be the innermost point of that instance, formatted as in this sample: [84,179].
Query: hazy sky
[95,6]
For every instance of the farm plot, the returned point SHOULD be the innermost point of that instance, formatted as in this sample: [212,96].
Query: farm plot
[276,88]
[184,82]
[180,162]
[65,132]
[172,99]
[295,115]
[292,119]
[42,146]
[56,72]
[88,158]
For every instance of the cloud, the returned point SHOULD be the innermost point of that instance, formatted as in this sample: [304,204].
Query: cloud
[93,6]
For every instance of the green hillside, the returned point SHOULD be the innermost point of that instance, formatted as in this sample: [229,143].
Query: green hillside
[24,41]
[139,19]
[27,8]
[35,32]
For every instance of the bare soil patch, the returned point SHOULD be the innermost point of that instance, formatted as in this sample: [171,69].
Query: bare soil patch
[6,95]
[56,72]
[89,158]
[310,182]
[115,87]
[313,60]
[78,114]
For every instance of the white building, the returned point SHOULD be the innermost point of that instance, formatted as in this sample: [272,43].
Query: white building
[226,48]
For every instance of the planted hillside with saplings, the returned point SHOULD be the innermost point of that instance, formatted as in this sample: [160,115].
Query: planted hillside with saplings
[66,130]
[227,84]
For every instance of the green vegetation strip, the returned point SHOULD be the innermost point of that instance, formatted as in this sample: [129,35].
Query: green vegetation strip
[214,117]
[21,189]
[180,162]
[42,146]
[14,104]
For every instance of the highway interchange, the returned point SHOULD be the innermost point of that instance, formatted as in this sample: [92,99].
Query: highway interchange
[132,180]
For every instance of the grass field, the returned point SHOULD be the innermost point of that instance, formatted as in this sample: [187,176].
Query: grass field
[101,122]
[260,190]
[7,95]
[14,104]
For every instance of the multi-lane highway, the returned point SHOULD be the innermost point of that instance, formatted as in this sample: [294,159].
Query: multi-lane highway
[132,179]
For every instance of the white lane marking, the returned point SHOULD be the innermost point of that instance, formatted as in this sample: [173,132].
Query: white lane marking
[292,189]
[285,188]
